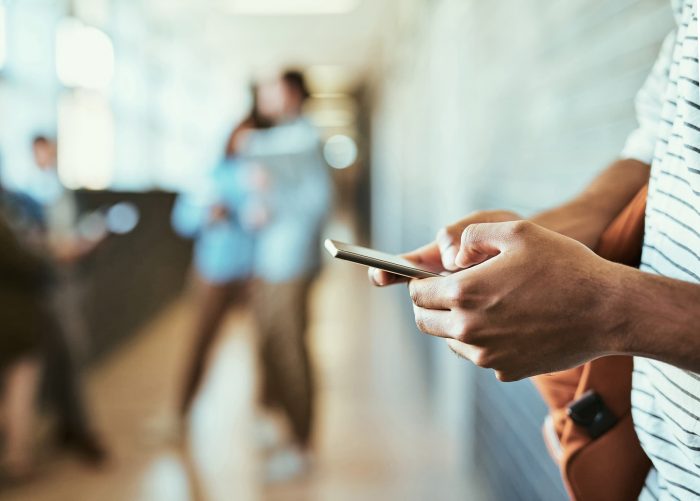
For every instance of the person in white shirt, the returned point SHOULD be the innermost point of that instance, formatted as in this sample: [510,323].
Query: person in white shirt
[539,300]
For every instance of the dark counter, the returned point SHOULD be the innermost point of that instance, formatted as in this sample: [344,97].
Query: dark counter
[130,278]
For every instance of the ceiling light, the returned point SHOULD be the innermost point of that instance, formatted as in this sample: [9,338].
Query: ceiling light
[84,55]
[3,34]
[289,7]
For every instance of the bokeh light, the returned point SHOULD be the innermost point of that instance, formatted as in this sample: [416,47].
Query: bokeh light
[340,151]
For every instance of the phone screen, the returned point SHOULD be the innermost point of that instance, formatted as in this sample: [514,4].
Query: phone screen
[377,259]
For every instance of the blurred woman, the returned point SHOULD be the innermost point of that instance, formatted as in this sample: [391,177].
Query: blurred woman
[223,251]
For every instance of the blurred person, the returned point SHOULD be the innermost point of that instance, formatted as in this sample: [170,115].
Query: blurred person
[260,217]
[286,261]
[23,321]
[59,205]
[530,297]
[217,217]
[65,247]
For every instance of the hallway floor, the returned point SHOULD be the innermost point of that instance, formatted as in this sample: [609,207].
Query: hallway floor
[374,438]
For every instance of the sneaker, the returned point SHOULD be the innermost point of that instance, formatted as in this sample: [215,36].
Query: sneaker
[268,434]
[86,445]
[286,464]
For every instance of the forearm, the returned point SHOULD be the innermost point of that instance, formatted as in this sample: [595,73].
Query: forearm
[585,217]
[655,317]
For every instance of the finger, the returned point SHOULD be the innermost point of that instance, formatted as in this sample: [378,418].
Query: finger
[382,278]
[507,377]
[465,351]
[485,240]
[426,257]
[448,240]
[432,293]
[433,322]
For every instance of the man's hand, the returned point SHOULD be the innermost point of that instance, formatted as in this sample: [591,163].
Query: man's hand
[538,302]
[439,256]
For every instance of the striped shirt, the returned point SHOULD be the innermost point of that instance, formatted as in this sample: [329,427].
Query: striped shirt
[666,399]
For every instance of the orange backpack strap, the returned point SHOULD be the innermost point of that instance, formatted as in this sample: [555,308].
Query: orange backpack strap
[622,239]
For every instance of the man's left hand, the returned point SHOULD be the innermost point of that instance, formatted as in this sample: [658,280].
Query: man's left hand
[540,302]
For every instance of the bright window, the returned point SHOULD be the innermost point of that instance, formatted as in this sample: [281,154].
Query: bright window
[289,7]
[86,141]
[84,55]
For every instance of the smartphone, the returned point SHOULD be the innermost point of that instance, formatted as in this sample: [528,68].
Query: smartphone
[376,259]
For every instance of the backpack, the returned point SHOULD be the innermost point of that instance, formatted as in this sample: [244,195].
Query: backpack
[589,430]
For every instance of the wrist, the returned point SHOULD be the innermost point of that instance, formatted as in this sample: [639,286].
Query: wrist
[616,315]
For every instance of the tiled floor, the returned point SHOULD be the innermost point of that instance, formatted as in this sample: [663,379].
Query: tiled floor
[375,440]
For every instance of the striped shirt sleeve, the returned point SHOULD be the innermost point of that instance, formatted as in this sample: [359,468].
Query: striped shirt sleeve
[641,142]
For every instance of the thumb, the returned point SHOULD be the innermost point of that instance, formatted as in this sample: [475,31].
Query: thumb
[482,241]
[448,240]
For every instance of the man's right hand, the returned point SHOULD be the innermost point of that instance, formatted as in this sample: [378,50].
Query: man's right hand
[439,256]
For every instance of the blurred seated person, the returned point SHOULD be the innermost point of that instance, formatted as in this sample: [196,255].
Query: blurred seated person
[23,321]
[219,215]
[286,261]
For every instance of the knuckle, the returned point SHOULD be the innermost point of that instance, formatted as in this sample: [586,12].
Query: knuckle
[463,330]
[469,233]
[459,333]
[520,227]
[463,290]
[454,293]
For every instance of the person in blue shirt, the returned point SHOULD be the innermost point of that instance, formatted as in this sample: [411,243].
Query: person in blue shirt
[286,260]
[259,217]
[219,214]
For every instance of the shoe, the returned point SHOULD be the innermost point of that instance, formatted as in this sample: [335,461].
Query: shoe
[268,434]
[286,464]
[86,445]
